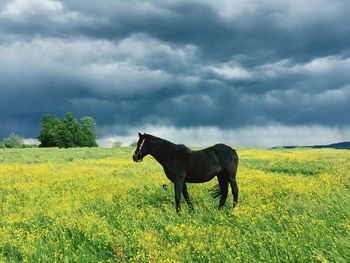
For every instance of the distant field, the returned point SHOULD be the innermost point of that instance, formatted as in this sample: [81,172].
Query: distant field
[89,205]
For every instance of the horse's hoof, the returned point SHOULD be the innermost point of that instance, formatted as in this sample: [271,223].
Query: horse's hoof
[220,207]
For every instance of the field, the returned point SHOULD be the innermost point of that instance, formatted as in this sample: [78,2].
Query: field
[90,205]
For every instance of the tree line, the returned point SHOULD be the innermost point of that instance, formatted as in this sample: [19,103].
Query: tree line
[68,132]
[54,132]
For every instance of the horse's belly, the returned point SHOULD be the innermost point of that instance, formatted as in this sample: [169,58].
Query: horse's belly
[200,177]
[202,168]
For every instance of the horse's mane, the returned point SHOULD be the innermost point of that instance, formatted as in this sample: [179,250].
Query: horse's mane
[165,146]
[156,141]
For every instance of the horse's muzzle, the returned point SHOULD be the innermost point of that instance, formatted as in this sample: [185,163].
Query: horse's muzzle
[136,159]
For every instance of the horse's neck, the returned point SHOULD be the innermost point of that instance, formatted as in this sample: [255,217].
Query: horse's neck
[162,151]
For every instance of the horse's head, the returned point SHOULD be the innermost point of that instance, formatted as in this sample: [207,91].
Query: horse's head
[141,148]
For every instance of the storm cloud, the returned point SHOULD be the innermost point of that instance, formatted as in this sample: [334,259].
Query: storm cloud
[208,71]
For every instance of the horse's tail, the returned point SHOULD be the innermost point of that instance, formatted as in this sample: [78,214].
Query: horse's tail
[221,187]
[215,191]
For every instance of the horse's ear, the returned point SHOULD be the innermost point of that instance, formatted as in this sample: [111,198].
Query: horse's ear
[140,135]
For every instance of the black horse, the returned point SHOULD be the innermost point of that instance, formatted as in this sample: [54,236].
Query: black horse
[182,165]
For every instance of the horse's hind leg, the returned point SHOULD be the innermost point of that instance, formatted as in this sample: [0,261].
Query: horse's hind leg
[234,187]
[178,183]
[187,196]
[223,184]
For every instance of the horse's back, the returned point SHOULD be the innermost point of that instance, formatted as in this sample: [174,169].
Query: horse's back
[202,166]
[218,153]
[226,154]
[205,164]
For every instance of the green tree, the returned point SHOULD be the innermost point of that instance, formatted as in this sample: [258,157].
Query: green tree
[87,132]
[13,141]
[49,134]
[69,132]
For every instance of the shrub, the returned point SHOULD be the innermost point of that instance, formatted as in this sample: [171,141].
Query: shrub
[117,144]
[13,141]
[133,144]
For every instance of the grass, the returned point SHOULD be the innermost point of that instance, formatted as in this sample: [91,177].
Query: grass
[90,205]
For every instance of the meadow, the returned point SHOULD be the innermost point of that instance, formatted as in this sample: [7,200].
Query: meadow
[97,205]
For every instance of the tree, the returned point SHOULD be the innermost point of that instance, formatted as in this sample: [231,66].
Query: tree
[13,141]
[67,133]
[87,132]
[49,134]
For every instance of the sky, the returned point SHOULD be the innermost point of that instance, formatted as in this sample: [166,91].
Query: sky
[243,72]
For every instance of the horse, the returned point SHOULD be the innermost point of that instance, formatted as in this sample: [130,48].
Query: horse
[183,165]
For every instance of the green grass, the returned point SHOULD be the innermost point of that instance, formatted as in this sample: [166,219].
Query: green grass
[90,205]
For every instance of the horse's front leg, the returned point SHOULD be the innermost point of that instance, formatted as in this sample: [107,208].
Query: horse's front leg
[187,196]
[178,184]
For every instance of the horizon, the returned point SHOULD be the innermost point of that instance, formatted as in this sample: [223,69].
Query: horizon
[127,140]
[245,73]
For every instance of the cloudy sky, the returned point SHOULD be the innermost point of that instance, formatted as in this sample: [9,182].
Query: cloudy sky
[244,72]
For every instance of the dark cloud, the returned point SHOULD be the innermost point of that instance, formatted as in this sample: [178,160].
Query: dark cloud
[222,64]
